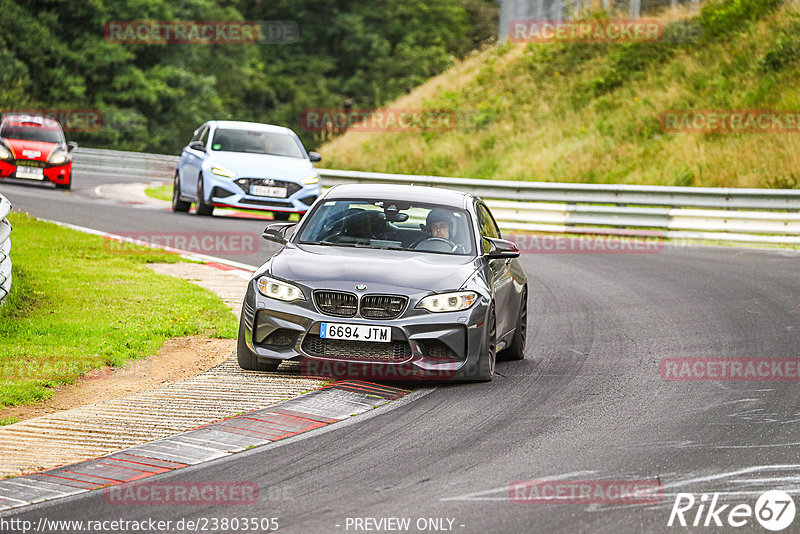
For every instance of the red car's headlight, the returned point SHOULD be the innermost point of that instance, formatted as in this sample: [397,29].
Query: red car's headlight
[59,157]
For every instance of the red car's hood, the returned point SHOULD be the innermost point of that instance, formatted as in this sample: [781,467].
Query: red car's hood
[35,150]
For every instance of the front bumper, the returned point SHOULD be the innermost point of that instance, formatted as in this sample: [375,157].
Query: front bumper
[57,174]
[223,192]
[424,346]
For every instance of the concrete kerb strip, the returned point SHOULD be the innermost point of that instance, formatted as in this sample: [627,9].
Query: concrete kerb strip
[131,193]
[317,409]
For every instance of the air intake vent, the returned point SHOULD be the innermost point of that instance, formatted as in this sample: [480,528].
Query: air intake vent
[336,303]
[382,306]
[437,349]
[281,337]
[218,192]
[396,351]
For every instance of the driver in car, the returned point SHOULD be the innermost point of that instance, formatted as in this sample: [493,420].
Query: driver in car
[441,229]
[440,224]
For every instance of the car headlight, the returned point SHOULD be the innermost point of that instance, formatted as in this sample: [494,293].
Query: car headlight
[5,154]
[310,180]
[222,171]
[58,157]
[280,290]
[448,302]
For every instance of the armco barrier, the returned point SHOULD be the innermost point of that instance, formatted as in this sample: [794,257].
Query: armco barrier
[708,213]
[5,248]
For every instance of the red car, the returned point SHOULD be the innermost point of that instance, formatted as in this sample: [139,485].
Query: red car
[34,148]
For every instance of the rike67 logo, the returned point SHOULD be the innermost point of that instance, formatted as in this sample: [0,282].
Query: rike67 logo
[774,510]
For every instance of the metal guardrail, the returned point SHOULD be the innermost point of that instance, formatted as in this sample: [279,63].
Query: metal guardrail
[126,164]
[719,214]
[5,248]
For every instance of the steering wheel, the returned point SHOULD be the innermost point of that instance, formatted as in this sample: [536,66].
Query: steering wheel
[439,245]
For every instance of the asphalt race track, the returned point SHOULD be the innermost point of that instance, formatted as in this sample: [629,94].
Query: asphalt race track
[588,403]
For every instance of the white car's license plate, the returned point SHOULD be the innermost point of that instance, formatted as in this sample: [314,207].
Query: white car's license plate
[355,332]
[33,173]
[268,191]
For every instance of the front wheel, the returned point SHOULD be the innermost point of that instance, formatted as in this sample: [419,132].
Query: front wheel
[178,205]
[201,206]
[489,355]
[516,351]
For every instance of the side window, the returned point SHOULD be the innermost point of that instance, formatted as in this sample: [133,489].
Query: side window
[197,133]
[204,136]
[487,225]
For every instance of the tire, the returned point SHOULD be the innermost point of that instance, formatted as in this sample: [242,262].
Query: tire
[516,351]
[281,215]
[488,356]
[201,207]
[178,205]
[249,361]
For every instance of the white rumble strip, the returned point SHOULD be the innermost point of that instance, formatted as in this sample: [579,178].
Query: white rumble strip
[97,429]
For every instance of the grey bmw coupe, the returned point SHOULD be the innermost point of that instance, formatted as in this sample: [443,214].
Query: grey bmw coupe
[387,282]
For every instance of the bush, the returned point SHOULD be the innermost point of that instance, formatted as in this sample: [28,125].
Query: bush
[726,16]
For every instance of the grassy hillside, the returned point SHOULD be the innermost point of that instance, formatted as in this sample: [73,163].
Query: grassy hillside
[572,112]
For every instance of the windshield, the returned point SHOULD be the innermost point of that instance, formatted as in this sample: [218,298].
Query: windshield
[255,142]
[32,133]
[389,224]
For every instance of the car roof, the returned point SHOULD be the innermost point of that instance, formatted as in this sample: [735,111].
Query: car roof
[412,193]
[252,126]
[22,119]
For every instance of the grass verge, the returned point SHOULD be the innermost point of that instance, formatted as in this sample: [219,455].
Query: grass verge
[162,192]
[77,304]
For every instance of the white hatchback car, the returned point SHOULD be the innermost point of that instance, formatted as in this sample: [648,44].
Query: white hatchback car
[246,165]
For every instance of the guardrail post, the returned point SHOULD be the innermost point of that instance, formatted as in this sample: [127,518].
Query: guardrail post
[5,249]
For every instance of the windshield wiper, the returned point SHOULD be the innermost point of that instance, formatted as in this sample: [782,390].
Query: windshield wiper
[331,244]
[321,243]
[351,245]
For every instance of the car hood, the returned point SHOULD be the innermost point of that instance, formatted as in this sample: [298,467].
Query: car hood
[426,271]
[263,165]
[34,150]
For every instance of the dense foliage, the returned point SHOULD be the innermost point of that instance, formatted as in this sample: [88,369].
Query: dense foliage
[54,55]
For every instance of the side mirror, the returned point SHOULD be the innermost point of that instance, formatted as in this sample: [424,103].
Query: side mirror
[276,232]
[500,249]
[314,157]
[197,145]
[72,145]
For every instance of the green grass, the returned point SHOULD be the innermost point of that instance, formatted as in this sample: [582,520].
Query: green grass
[8,421]
[591,113]
[162,192]
[78,304]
